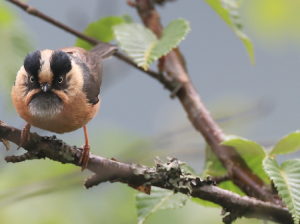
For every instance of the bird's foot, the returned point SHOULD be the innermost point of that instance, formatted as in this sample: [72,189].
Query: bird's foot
[84,158]
[25,134]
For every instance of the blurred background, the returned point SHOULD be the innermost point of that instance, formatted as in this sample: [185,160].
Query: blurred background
[137,119]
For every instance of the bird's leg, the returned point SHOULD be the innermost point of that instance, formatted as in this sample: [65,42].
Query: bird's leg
[25,133]
[85,155]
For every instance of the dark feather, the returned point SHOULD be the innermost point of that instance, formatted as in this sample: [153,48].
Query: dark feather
[32,63]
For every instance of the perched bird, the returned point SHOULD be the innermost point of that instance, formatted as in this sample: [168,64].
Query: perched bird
[58,90]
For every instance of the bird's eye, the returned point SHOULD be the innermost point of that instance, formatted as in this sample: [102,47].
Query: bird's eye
[32,79]
[60,79]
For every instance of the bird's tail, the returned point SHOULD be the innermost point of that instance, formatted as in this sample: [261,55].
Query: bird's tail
[104,50]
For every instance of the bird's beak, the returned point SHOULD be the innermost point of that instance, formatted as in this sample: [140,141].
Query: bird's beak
[46,87]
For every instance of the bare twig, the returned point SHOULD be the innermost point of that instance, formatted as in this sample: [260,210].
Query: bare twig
[139,175]
[170,84]
[220,179]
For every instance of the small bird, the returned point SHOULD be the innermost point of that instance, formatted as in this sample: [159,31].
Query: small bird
[58,90]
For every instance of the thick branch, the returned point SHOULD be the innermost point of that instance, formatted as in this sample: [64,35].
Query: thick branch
[200,117]
[138,175]
[180,84]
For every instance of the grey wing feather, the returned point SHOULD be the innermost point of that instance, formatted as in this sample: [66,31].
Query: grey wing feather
[91,65]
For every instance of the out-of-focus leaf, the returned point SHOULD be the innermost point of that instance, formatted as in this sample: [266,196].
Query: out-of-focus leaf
[101,30]
[64,182]
[228,11]
[188,169]
[287,181]
[203,175]
[159,199]
[287,144]
[14,45]
[6,16]
[127,18]
[251,152]
[142,45]
[213,167]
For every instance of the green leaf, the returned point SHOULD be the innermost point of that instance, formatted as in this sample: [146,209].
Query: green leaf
[101,30]
[127,18]
[287,181]
[228,11]
[7,17]
[214,168]
[142,45]
[14,45]
[251,152]
[205,203]
[159,199]
[287,144]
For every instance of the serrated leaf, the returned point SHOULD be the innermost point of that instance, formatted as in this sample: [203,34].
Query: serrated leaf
[251,152]
[159,199]
[101,30]
[287,144]
[228,11]
[287,181]
[142,45]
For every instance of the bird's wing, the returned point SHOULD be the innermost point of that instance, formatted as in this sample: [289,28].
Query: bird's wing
[94,57]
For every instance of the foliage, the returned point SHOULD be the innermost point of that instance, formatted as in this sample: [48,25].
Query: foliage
[228,11]
[101,30]
[287,144]
[142,45]
[14,45]
[159,199]
[286,178]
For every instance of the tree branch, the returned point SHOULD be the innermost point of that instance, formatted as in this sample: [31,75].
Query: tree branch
[169,84]
[200,117]
[180,84]
[139,175]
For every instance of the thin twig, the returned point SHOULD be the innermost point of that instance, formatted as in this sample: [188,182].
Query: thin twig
[220,179]
[33,11]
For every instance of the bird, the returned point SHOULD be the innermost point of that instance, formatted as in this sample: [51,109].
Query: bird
[59,90]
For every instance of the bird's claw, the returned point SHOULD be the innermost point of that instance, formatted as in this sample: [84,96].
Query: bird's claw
[84,158]
[25,134]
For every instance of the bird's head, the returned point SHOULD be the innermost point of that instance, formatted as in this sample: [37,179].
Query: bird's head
[46,82]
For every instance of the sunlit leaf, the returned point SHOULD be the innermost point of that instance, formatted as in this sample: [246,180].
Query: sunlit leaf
[251,152]
[287,144]
[287,181]
[159,199]
[142,45]
[228,11]
[101,30]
